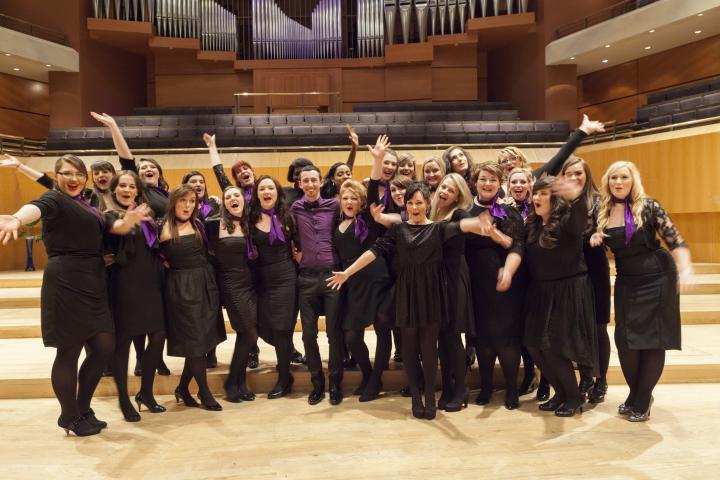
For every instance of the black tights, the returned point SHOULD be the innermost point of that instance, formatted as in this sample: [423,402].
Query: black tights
[195,367]
[453,365]
[73,389]
[282,341]
[642,370]
[355,340]
[244,343]
[509,357]
[150,359]
[426,338]
[383,349]
[560,373]
[603,353]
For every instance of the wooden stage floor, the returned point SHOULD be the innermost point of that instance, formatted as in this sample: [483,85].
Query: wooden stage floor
[287,438]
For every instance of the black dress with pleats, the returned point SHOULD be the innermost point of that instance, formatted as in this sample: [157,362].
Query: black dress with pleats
[74,298]
[192,299]
[461,316]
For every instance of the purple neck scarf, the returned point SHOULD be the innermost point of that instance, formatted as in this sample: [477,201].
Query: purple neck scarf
[386,195]
[495,209]
[361,228]
[251,250]
[276,231]
[150,230]
[205,208]
[524,208]
[247,191]
[630,226]
[200,228]
[84,203]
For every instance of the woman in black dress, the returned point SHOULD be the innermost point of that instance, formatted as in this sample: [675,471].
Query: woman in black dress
[421,288]
[647,298]
[242,171]
[136,284]
[559,310]
[74,305]
[207,206]
[458,160]
[493,259]
[272,231]
[191,295]
[367,292]
[228,242]
[452,202]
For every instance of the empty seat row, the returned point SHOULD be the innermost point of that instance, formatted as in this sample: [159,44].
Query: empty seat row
[430,106]
[684,91]
[182,110]
[679,117]
[684,104]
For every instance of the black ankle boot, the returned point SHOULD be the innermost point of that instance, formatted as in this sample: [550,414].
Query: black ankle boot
[280,390]
[79,427]
[597,393]
[318,392]
[336,393]
[543,391]
[90,417]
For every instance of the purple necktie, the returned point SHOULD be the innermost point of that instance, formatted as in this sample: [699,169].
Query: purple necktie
[149,229]
[251,250]
[361,228]
[630,226]
[247,191]
[205,208]
[276,231]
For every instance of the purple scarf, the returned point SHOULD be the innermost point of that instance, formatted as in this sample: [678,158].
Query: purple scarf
[150,230]
[84,203]
[630,226]
[495,209]
[200,228]
[251,250]
[276,231]
[524,208]
[247,191]
[205,208]
[361,228]
[386,195]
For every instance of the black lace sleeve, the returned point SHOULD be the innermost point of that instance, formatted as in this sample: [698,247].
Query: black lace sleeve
[514,226]
[553,166]
[221,178]
[663,225]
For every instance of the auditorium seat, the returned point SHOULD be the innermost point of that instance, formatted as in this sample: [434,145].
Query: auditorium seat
[241,120]
[684,116]
[427,106]
[187,121]
[707,112]
[259,120]
[277,119]
[295,119]
[507,126]
[169,121]
[366,118]
[377,129]
[349,118]
[332,118]
[224,120]
[243,131]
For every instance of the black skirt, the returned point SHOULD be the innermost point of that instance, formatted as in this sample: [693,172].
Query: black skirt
[599,272]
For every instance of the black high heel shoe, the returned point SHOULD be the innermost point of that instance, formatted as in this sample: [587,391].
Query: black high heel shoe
[512,403]
[597,393]
[213,407]
[418,409]
[187,399]
[543,391]
[569,410]
[90,417]
[129,413]
[153,406]
[483,398]
[586,383]
[641,417]
[553,404]
[430,409]
[369,396]
[452,406]
[79,426]
[625,409]
[279,391]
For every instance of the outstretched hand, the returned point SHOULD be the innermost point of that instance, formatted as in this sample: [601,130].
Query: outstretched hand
[352,135]
[337,280]
[8,161]
[591,126]
[209,140]
[104,118]
[596,240]
[565,189]
[9,227]
[378,151]
[376,210]
[137,214]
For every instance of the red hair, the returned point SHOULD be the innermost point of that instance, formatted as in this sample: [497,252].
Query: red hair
[236,167]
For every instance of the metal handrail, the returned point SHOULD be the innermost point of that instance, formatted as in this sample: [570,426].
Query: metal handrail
[603,15]
[619,135]
[20,145]
[31,29]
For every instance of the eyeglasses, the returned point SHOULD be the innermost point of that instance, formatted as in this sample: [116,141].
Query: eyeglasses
[75,175]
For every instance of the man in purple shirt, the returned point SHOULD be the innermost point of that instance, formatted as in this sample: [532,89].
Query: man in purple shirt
[316,218]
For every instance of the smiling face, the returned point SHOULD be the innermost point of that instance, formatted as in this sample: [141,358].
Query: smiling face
[342,173]
[197,182]
[620,183]
[350,203]
[70,180]
[185,206]
[447,194]
[407,168]
[267,194]
[487,185]
[417,207]
[432,174]
[126,191]
[542,202]
[397,193]
[519,187]
[101,179]
[234,201]
[576,174]
[389,167]
[245,176]
[149,173]
[310,184]
[459,161]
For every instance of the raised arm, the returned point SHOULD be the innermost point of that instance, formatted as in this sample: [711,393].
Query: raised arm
[215,161]
[133,216]
[384,219]
[553,166]
[8,161]
[354,142]
[118,140]
[10,224]
[674,241]
[378,153]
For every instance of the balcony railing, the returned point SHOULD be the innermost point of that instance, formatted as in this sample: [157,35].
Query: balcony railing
[602,16]
[31,29]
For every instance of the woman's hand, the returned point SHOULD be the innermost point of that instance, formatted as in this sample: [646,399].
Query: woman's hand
[378,151]
[591,126]
[353,136]
[209,140]
[507,200]
[596,240]
[137,214]
[686,279]
[376,210]
[337,280]
[8,161]
[567,190]
[9,227]
[504,280]
[297,254]
[105,119]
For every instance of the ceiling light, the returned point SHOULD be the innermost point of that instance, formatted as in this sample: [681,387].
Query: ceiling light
[698,31]
[572,58]
[16,69]
[607,46]
[648,47]
[48,65]
[8,55]
[651,31]
[700,14]
[605,61]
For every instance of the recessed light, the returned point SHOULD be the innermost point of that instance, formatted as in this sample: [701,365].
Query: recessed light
[605,61]
[48,65]
[651,31]
[16,69]
[648,47]
[698,31]
[700,14]
[8,55]
[607,46]
[572,58]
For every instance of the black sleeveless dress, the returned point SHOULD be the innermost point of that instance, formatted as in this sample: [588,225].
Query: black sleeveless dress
[235,277]
[136,283]
[74,298]
[192,299]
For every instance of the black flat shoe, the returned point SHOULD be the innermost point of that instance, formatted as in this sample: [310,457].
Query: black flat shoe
[151,405]
[213,406]
[246,396]
[90,417]
[129,412]
[641,417]
[430,410]
[597,393]
[483,398]
[163,370]
[279,391]
[452,406]
[187,399]
[298,358]
[370,395]
[418,409]
[253,361]
[316,396]
[553,404]
[79,427]
[335,394]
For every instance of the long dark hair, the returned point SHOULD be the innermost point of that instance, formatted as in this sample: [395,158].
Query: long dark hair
[547,236]
[176,194]
[590,192]
[140,197]
[281,210]
[161,179]
[297,163]
[191,174]
[225,215]
[328,188]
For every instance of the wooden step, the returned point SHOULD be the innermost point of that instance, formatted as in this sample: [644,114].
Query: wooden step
[25,367]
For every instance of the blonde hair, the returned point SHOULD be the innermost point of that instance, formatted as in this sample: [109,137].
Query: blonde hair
[437,160]
[637,195]
[512,152]
[357,188]
[464,200]
[520,170]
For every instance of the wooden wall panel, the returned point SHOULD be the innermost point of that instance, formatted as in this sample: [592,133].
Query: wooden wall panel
[450,84]
[465,55]
[188,90]
[683,64]
[363,85]
[622,110]
[412,82]
[701,231]
[608,84]
[24,124]
[25,95]
[299,80]
[179,62]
